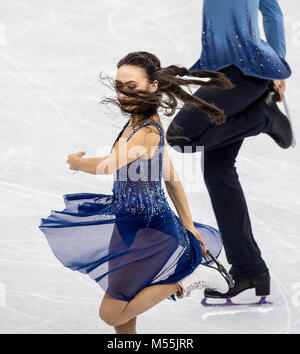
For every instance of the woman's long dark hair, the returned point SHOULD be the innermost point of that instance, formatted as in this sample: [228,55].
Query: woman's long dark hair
[169,84]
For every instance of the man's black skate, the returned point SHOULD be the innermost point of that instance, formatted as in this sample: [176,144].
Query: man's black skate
[281,131]
[260,283]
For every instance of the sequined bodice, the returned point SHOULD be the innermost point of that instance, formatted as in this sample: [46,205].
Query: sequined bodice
[137,188]
[230,36]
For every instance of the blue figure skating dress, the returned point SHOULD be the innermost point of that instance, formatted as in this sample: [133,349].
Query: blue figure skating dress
[130,239]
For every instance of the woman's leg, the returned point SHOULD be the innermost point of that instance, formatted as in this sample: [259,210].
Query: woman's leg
[127,328]
[117,312]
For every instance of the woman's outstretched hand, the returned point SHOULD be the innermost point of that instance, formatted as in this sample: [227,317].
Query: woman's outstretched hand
[73,160]
[279,86]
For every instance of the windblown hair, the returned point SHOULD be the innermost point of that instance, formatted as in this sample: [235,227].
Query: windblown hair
[169,90]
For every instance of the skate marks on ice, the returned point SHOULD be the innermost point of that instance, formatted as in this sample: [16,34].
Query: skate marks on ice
[246,304]
[240,310]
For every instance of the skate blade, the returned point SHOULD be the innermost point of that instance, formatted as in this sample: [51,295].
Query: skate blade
[287,113]
[230,303]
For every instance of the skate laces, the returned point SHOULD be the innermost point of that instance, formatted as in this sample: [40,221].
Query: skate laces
[200,284]
[221,269]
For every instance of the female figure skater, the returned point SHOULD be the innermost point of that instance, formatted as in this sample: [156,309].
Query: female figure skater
[231,44]
[131,242]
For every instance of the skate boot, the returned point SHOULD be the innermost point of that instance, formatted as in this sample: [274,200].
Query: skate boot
[203,277]
[261,284]
[281,131]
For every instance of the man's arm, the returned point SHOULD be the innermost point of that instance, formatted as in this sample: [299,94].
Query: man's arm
[273,24]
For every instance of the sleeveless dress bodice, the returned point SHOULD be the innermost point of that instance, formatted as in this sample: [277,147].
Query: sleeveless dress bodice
[137,188]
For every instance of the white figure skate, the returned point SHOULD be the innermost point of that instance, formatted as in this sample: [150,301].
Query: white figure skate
[203,277]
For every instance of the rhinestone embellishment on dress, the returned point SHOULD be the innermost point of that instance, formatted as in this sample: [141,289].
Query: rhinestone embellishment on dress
[137,188]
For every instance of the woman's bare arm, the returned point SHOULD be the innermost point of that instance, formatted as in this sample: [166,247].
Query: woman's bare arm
[141,143]
[178,197]
[176,192]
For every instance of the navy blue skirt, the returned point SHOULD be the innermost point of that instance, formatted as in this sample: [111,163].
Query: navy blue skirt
[118,251]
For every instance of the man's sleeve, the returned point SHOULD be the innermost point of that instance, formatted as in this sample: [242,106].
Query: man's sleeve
[273,24]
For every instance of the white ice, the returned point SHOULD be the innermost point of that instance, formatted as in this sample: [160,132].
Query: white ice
[51,53]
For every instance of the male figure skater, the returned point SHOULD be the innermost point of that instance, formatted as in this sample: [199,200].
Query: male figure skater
[231,44]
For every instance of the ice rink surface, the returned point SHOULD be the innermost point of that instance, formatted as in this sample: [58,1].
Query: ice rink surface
[51,53]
